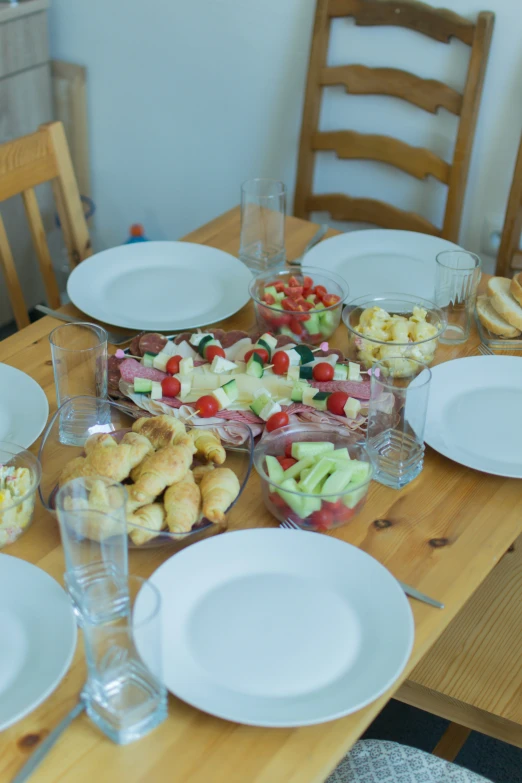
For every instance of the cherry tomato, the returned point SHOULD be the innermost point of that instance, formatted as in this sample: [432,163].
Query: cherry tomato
[293,281]
[315,338]
[280,458]
[281,362]
[295,326]
[278,285]
[261,352]
[207,406]
[335,508]
[322,519]
[288,450]
[170,387]
[278,501]
[331,299]
[269,299]
[277,420]
[308,282]
[173,364]
[336,402]
[307,292]
[323,372]
[287,462]
[320,291]
[344,514]
[214,350]
[294,291]
[289,304]
[304,304]
[282,319]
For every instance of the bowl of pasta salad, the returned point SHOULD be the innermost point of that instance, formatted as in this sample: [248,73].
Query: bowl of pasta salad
[20,475]
[393,328]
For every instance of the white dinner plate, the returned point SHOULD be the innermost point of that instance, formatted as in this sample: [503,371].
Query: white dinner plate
[380,260]
[38,637]
[23,407]
[474,413]
[280,628]
[165,286]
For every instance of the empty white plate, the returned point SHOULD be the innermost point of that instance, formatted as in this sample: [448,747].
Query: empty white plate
[165,286]
[23,407]
[38,637]
[280,628]
[474,413]
[380,260]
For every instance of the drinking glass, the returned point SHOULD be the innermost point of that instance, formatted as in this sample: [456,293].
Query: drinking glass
[93,527]
[456,282]
[399,394]
[79,354]
[124,694]
[263,203]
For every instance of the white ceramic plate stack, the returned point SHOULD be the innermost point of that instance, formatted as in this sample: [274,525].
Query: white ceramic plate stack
[280,628]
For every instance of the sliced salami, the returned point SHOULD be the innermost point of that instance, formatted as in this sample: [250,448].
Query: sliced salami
[172,402]
[152,342]
[228,339]
[183,336]
[130,369]
[330,352]
[113,373]
[360,390]
[284,339]
[134,347]
[246,416]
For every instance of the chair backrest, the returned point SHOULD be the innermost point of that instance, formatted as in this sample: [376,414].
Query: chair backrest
[427,94]
[25,163]
[509,257]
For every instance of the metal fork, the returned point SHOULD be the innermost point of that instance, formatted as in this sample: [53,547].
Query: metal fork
[485,350]
[411,591]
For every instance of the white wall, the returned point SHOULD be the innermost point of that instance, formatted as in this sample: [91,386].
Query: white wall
[187,99]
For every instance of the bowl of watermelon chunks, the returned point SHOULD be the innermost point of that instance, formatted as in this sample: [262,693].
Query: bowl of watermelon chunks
[315,477]
[305,305]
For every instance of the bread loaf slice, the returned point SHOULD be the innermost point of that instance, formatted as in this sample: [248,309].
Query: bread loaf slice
[492,320]
[515,288]
[503,302]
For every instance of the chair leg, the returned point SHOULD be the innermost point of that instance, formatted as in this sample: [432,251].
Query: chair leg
[451,742]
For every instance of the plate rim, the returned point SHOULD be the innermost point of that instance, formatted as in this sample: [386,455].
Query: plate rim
[82,269]
[472,464]
[394,585]
[68,658]
[39,393]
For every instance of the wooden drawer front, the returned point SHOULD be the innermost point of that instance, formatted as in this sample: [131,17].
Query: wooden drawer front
[23,43]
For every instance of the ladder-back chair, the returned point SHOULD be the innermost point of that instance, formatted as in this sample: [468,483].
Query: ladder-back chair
[427,94]
[509,258]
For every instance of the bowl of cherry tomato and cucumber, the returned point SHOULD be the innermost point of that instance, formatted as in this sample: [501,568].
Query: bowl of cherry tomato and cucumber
[305,304]
[317,478]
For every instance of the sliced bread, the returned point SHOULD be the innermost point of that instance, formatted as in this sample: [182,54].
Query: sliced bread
[492,320]
[515,288]
[503,302]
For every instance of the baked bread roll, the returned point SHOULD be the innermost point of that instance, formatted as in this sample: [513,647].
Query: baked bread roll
[503,302]
[515,288]
[492,320]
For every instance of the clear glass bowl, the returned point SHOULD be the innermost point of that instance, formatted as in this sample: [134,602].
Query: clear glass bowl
[297,324]
[95,415]
[367,349]
[16,513]
[339,508]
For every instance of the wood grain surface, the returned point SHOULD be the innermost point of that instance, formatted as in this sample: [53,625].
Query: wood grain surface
[443,534]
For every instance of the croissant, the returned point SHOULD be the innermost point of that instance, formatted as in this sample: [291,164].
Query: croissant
[200,470]
[182,504]
[151,516]
[159,470]
[208,446]
[160,430]
[76,468]
[97,517]
[97,440]
[219,489]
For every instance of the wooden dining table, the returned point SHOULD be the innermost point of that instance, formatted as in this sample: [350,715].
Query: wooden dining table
[443,533]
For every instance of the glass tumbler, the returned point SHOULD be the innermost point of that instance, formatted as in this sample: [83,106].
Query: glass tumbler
[79,354]
[263,204]
[93,527]
[456,283]
[399,393]
[124,694]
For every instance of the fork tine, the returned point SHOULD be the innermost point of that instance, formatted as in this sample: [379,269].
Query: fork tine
[287,524]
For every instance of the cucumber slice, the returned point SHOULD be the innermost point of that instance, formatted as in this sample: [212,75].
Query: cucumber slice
[296,469]
[269,409]
[263,344]
[285,329]
[294,501]
[360,471]
[274,469]
[259,403]
[342,455]
[337,481]
[255,366]
[231,390]
[269,339]
[156,392]
[142,385]
[351,499]
[196,338]
[148,359]
[317,474]
[320,400]
[271,290]
[303,449]
[297,393]
[309,505]
[203,342]
[340,372]
[306,372]
[305,353]
[312,325]
[308,395]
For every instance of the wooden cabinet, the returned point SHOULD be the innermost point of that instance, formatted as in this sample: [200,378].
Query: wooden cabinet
[25,103]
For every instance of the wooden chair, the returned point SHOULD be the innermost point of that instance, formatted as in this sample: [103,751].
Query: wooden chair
[509,256]
[25,163]
[472,675]
[440,25]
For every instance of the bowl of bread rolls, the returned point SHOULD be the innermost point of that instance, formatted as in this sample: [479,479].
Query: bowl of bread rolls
[181,480]
[499,311]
